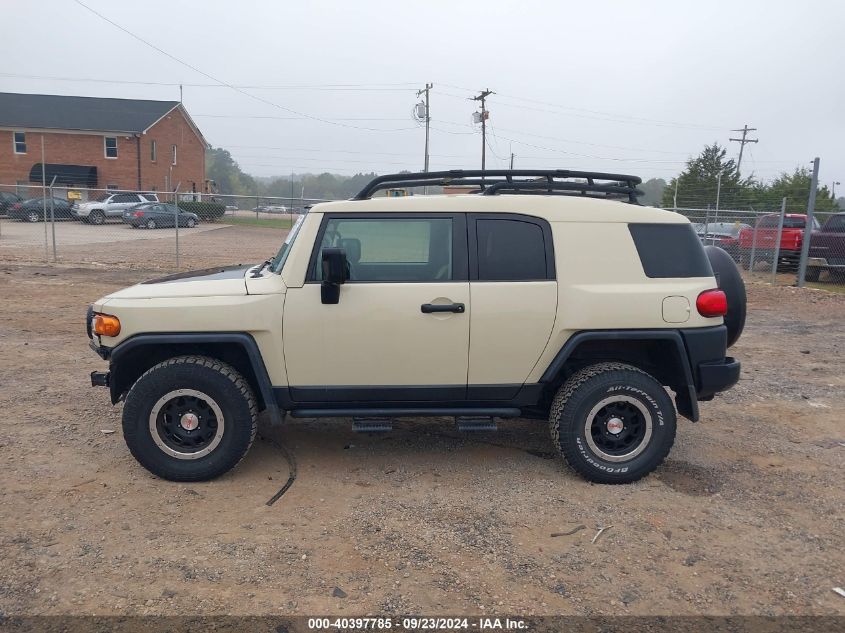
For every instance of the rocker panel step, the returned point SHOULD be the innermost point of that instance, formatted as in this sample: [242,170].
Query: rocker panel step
[473,424]
[372,425]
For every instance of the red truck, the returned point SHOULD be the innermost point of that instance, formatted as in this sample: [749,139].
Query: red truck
[827,248]
[762,239]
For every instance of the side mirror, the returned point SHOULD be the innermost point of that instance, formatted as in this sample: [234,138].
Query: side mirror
[335,272]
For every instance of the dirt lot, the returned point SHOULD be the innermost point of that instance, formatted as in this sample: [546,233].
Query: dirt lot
[746,516]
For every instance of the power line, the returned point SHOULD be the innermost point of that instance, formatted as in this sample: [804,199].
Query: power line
[407,87]
[213,78]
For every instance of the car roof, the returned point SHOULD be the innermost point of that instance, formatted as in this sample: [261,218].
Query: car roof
[554,208]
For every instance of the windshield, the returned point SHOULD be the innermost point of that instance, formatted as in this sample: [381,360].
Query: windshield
[282,255]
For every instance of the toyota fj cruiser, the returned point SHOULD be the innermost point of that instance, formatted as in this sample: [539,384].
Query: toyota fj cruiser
[546,295]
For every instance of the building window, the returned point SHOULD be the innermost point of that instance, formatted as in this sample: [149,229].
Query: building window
[20,143]
[110,143]
[173,158]
[112,187]
[153,151]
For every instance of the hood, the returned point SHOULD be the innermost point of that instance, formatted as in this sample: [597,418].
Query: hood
[225,281]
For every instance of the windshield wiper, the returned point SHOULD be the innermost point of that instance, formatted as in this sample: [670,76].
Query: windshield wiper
[257,271]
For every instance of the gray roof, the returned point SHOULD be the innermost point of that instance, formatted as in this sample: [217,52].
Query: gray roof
[59,112]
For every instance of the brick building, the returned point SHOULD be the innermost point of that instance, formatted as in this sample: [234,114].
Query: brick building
[98,143]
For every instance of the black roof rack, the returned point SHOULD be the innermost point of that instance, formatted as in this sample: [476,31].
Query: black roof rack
[527,181]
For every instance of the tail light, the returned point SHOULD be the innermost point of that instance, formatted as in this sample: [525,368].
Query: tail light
[712,303]
[138,214]
[17,205]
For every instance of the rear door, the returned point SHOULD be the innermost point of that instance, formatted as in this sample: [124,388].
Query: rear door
[400,331]
[122,201]
[514,300]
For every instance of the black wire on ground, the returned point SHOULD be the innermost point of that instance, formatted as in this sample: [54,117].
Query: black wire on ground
[291,469]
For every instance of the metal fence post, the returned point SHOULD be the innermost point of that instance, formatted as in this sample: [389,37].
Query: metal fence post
[753,244]
[53,217]
[776,256]
[808,229]
[176,220]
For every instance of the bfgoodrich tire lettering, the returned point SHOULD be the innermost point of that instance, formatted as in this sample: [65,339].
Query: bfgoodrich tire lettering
[229,401]
[626,400]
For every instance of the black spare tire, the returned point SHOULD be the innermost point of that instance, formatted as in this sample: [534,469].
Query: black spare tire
[730,282]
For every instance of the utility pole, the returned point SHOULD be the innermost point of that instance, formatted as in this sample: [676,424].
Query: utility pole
[426,92]
[482,96]
[833,189]
[511,160]
[808,227]
[742,141]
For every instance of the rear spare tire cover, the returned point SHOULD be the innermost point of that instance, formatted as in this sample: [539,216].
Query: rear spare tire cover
[730,282]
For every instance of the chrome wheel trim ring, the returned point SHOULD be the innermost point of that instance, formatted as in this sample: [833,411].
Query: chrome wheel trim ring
[647,418]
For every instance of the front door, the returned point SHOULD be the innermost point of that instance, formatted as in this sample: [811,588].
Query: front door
[400,330]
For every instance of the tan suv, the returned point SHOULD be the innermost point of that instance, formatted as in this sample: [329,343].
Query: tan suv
[547,295]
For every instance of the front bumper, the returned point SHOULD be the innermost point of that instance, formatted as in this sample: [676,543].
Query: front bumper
[822,262]
[100,378]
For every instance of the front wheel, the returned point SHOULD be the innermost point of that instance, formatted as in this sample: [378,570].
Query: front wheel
[32,216]
[812,273]
[190,418]
[97,218]
[612,423]
[191,223]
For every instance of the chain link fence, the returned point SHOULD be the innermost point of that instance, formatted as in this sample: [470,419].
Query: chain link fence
[181,231]
[141,229]
[769,245]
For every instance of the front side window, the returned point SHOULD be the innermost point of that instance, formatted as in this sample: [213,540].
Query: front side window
[391,249]
[510,250]
[110,143]
[20,142]
[125,197]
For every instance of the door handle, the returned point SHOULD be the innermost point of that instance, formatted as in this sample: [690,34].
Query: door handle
[429,308]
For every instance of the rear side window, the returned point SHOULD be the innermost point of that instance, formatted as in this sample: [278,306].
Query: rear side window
[511,250]
[670,250]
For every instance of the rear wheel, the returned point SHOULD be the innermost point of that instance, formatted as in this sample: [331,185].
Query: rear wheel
[191,223]
[612,423]
[151,224]
[812,273]
[190,418]
[97,217]
[32,216]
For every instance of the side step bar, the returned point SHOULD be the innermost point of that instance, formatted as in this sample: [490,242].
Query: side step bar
[475,423]
[456,412]
[372,425]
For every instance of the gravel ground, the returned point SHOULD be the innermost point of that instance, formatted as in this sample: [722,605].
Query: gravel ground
[745,517]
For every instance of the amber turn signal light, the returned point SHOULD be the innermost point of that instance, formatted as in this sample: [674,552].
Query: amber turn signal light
[106,325]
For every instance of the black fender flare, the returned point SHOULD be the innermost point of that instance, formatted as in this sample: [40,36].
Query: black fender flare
[687,403]
[165,339]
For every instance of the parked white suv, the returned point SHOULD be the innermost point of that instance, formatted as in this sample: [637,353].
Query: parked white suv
[571,306]
[110,205]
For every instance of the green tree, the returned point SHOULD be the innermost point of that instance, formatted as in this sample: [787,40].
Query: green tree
[652,191]
[795,187]
[224,170]
[697,185]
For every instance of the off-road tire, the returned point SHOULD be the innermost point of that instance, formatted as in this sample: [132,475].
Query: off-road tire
[582,392]
[97,218]
[219,381]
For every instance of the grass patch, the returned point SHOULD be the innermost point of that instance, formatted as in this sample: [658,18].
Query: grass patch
[272,223]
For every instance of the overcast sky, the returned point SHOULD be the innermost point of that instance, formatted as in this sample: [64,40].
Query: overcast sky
[633,87]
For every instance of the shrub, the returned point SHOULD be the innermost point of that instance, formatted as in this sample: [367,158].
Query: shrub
[205,210]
